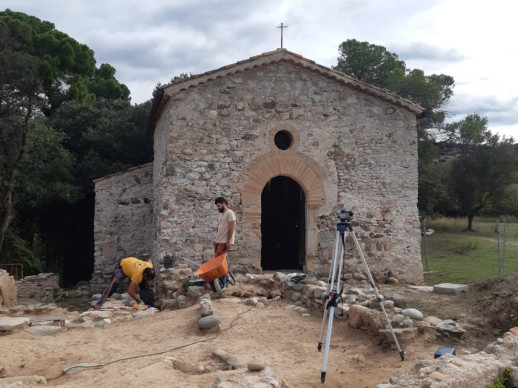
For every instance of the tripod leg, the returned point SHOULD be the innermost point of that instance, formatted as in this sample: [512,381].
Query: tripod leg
[378,297]
[331,304]
[329,285]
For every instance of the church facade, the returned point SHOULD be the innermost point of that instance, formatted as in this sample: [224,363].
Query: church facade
[288,142]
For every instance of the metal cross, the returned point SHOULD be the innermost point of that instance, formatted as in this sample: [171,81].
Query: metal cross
[282,27]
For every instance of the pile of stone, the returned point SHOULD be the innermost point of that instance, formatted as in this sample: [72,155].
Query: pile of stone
[7,290]
[208,322]
[470,370]
[174,292]
[43,288]
[28,318]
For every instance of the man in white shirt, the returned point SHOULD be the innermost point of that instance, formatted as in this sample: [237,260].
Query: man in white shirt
[226,229]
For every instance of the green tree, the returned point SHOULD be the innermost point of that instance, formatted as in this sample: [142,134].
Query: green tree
[486,166]
[66,68]
[19,90]
[40,69]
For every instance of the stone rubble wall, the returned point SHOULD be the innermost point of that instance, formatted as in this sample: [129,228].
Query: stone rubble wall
[123,224]
[42,288]
[210,138]
[7,290]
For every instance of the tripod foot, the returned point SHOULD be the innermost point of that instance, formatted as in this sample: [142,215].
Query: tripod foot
[323,377]
[402,355]
[320,346]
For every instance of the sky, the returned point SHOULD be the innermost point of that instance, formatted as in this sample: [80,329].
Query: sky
[151,41]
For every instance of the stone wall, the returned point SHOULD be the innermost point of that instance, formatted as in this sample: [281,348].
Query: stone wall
[7,289]
[123,224]
[42,288]
[349,148]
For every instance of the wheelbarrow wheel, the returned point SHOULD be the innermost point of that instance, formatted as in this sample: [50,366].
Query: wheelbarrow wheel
[219,286]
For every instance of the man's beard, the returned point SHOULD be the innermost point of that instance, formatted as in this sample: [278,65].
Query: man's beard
[221,210]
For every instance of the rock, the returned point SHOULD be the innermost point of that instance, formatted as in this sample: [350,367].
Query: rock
[342,312]
[8,324]
[116,296]
[407,322]
[104,323]
[450,288]
[432,320]
[44,330]
[220,353]
[251,301]
[361,317]
[206,309]
[388,304]
[392,280]
[398,300]
[413,313]
[296,296]
[208,321]
[385,386]
[233,363]
[255,366]
[275,293]
[259,305]
[263,299]
[449,328]
[3,373]
[398,319]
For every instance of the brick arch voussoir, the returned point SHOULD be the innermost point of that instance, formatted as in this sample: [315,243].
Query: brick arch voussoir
[292,168]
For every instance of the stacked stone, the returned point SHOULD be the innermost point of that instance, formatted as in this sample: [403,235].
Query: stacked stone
[209,322]
[7,289]
[38,288]
[173,291]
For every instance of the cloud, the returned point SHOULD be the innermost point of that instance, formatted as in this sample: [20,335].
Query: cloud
[424,52]
[500,112]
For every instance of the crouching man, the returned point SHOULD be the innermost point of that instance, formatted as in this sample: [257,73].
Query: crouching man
[137,270]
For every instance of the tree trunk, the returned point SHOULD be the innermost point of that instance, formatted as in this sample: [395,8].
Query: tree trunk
[470,222]
[6,202]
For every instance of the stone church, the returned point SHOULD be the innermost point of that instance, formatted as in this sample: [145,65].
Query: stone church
[288,142]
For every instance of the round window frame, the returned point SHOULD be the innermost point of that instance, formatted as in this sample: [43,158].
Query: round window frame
[295,139]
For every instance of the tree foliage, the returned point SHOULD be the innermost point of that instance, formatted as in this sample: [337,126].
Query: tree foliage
[479,176]
[65,67]
[375,65]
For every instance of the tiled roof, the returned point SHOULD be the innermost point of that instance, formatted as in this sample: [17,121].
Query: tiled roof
[273,57]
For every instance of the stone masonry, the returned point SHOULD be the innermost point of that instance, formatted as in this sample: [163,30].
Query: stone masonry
[7,289]
[352,145]
[123,220]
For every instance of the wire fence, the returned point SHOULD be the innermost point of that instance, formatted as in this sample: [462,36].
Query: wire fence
[451,253]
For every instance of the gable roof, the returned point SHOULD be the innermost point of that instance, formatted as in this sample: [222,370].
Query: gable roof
[166,91]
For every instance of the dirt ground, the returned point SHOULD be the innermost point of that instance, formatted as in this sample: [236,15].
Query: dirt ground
[285,340]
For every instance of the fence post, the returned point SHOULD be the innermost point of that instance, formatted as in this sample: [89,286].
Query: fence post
[503,248]
[427,261]
[498,243]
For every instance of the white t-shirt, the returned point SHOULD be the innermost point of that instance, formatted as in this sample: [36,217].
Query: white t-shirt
[224,219]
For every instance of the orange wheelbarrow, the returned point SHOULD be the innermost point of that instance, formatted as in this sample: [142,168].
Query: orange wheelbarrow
[215,272]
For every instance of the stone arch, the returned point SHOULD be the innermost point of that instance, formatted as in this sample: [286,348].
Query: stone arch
[305,171]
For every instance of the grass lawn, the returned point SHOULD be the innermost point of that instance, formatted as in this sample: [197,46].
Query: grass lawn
[465,257]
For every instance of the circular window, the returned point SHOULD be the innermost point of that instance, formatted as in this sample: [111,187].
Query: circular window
[283,140]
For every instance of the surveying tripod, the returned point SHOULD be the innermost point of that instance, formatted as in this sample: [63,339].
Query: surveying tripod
[333,287]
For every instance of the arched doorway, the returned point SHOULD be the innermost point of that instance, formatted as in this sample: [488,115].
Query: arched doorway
[283,225]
